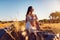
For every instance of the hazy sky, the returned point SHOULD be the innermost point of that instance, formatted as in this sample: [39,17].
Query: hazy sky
[12,9]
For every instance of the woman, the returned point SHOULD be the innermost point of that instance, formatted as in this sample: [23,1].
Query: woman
[29,17]
[31,20]
[30,23]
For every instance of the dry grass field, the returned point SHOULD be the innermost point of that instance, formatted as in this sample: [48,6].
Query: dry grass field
[55,27]
[4,25]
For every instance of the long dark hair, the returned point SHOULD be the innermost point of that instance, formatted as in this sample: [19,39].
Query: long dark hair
[29,10]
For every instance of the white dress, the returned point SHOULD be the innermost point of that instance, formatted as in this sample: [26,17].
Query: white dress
[29,26]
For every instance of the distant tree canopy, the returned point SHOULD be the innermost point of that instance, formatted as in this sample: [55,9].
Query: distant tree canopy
[54,18]
[55,15]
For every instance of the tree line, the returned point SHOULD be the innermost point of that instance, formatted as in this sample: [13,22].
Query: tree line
[54,18]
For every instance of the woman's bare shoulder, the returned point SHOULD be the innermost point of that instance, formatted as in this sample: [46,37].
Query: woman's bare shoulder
[33,14]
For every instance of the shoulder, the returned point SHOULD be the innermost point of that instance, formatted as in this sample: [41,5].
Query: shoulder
[27,15]
[34,15]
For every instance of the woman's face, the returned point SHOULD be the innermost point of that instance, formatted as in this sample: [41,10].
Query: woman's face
[31,10]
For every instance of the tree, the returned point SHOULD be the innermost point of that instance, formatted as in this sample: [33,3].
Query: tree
[55,16]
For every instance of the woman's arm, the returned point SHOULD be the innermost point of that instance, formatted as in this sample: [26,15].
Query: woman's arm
[36,17]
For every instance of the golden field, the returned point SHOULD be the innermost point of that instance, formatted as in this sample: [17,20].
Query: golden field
[21,26]
[53,26]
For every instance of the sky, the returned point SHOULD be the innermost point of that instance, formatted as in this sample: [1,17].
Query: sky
[16,9]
